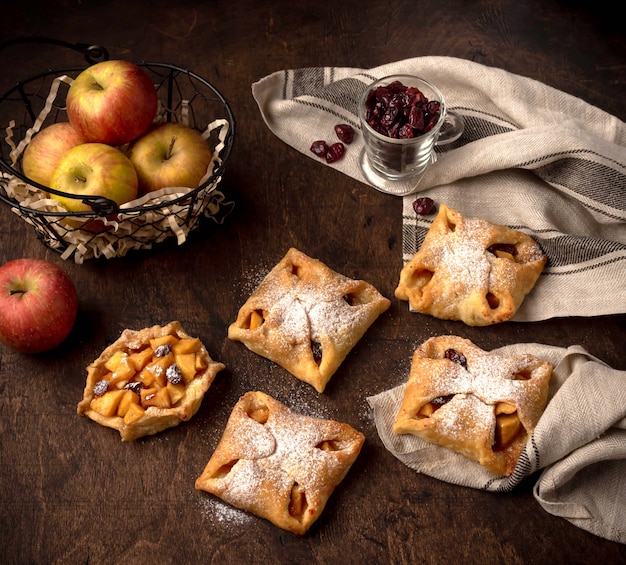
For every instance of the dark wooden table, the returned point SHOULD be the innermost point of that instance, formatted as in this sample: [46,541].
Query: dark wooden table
[72,492]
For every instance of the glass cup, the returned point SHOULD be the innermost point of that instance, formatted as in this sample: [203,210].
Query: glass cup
[393,165]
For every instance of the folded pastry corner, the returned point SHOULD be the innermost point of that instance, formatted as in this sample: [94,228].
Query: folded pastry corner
[471,270]
[482,405]
[277,464]
[306,317]
[148,380]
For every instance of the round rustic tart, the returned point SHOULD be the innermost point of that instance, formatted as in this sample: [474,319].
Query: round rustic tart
[148,380]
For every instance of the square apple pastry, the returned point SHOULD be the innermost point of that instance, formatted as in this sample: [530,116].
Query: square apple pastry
[480,404]
[471,270]
[277,464]
[306,317]
[148,380]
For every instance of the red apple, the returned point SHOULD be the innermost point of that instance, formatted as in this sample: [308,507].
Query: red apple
[112,102]
[46,148]
[169,154]
[38,305]
[94,169]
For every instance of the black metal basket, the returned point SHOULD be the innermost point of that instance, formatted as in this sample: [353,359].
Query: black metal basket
[39,101]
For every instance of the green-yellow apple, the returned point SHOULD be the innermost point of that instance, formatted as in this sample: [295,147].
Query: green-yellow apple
[169,154]
[94,169]
[112,102]
[46,148]
[38,305]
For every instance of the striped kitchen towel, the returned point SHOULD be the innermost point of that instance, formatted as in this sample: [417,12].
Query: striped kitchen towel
[531,157]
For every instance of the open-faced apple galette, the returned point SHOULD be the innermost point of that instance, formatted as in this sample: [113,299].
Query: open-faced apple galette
[480,404]
[277,464]
[306,317]
[148,380]
[471,270]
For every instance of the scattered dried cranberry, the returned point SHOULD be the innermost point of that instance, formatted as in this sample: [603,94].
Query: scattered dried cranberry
[320,148]
[345,133]
[174,375]
[163,350]
[424,206]
[335,152]
[506,247]
[101,387]
[400,111]
[135,386]
[456,357]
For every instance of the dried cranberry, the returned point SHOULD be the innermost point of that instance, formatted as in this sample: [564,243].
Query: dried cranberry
[100,387]
[456,357]
[392,109]
[506,247]
[163,350]
[345,133]
[316,349]
[335,152]
[441,400]
[320,148]
[424,206]
[174,374]
[135,386]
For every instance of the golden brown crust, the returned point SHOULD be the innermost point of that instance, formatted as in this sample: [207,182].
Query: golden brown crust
[471,403]
[154,419]
[306,317]
[277,464]
[453,276]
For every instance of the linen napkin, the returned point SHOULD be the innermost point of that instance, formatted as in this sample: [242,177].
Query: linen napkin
[579,444]
[531,157]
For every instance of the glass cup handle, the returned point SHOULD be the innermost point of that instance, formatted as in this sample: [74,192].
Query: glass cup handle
[451,130]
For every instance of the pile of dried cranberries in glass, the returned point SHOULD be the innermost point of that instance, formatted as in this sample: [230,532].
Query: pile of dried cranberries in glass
[400,112]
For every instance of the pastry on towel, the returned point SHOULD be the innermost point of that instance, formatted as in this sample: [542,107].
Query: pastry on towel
[148,380]
[277,464]
[480,404]
[471,270]
[306,317]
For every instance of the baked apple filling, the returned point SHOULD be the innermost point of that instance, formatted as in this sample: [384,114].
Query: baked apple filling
[508,425]
[155,375]
[503,250]
[148,380]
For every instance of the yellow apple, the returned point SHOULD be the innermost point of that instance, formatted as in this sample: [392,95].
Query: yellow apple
[94,169]
[169,154]
[46,148]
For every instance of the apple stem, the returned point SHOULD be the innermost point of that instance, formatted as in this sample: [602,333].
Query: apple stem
[171,147]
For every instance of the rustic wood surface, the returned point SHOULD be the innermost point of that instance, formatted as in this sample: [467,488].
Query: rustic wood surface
[72,492]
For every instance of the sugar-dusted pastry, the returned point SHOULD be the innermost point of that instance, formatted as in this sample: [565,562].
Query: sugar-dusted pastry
[480,404]
[148,380]
[306,317]
[277,464]
[471,270]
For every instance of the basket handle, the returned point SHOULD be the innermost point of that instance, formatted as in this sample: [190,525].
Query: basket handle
[92,53]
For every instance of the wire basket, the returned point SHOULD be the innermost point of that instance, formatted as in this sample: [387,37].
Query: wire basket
[109,230]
